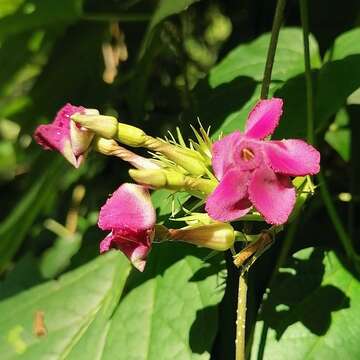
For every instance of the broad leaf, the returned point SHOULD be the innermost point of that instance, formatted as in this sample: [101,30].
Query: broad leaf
[227,95]
[339,77]
[170,311]
[312,312]
[70,306]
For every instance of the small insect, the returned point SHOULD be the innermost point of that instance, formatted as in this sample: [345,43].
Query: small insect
[39,327]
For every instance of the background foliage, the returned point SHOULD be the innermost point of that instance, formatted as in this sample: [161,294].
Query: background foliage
[158,65]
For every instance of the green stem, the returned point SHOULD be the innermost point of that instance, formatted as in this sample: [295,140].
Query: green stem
[308,76]
[329,205]
[241,317]
[334,216]
[278,19]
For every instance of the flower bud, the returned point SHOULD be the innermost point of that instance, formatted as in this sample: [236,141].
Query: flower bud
[186,158]
[216,236]
[172,180]
[110,147]
[130,135]
[102,125]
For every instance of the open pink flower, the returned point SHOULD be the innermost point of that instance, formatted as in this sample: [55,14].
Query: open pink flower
[65,136]
[256,172]
[130,216]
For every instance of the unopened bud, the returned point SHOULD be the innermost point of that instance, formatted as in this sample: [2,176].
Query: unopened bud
[110,147]
[172,180]
[131,135]
[102,125]
[186,158]
[216,236]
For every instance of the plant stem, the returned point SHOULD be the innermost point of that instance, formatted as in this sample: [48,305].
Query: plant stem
[329,205]
[308,76]
[339,227]
[278,18]
[241,317]
[242,293]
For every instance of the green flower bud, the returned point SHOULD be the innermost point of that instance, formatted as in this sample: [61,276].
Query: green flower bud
[217,236]
[102,125]
[131,135]
[172,180]
[186,158]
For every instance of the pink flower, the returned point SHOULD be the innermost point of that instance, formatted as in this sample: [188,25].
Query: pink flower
[65,136]
[256,172]
[130,217]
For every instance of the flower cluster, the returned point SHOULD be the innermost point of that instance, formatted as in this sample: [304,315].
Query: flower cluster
[239,176]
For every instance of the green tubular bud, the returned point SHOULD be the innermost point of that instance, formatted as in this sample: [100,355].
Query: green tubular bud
[216,236]
[131,135]
[172,180]
[186,158]
[105,146]
[102,125]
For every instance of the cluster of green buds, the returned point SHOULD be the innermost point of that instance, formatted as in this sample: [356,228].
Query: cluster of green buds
[171,165]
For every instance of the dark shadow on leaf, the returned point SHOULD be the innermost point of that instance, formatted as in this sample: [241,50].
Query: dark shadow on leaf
[214,266]
[205,318]
[166,254]
[298,296]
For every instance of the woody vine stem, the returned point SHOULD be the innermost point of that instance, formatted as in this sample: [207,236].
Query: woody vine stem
[242,292]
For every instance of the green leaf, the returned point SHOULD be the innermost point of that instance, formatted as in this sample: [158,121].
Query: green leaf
[37,14]
[170,310]
[307,314]
[339,136]
[58,257]
[339,77]
[71,306]
[227,95]
[15,227]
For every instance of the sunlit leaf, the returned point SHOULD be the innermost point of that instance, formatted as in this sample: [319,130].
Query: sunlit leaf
[312,311]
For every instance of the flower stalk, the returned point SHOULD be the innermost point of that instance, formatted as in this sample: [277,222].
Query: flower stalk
[278,19]
[242,292]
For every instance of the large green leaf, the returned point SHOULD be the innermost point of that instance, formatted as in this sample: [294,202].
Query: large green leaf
[312,312]
[71,305]
[339,77]
[169,311]
[233,86]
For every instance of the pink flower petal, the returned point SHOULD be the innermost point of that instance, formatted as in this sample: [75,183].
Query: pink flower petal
[264,118]
[62,118]
[135,246]
[105,244]
[223,152]
[64,136]
[129,207]
[272,194]
[229,200]
[292,157]
[51,137]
